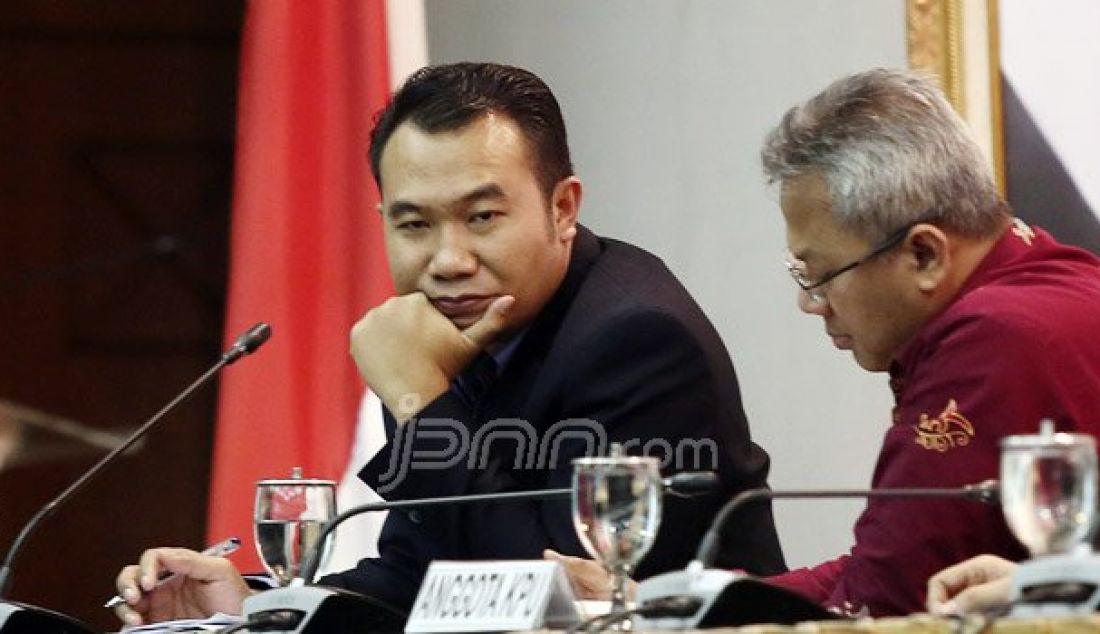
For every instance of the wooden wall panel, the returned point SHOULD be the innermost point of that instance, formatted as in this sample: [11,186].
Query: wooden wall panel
[116,133]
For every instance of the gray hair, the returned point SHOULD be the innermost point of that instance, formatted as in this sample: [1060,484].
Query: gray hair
[893,151]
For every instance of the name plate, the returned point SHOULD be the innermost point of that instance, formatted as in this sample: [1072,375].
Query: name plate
[493,596]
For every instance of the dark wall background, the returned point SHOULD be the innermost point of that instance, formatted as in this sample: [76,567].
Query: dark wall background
[116,142]
[1039,187]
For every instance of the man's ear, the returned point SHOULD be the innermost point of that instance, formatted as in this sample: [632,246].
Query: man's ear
[927,249]
[565,206]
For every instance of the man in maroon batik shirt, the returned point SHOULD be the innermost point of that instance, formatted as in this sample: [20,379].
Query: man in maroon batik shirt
[902,245]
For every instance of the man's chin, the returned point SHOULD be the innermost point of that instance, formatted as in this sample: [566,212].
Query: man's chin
[870,362]
[462,322]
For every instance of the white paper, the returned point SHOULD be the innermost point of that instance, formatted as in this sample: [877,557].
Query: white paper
[209,624]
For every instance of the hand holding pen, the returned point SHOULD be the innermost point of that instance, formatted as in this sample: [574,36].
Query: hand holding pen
[176,583]
[221,549]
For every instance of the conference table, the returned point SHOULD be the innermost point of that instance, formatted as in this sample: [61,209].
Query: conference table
[924,624]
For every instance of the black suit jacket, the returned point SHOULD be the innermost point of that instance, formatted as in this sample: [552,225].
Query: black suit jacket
[620,345]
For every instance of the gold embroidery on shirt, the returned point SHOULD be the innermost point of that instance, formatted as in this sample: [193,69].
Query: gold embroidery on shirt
[948,430]
[1022,231]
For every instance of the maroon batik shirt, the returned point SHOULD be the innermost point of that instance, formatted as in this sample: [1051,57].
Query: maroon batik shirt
[1020,343]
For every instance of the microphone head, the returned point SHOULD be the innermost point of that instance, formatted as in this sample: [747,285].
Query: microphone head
[248,342]
[692,483]
[988,491]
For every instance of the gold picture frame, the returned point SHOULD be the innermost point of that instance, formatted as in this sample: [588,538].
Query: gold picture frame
[957,41]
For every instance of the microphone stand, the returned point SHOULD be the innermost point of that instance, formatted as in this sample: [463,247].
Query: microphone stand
[987,491]
[713,597]
[245,344]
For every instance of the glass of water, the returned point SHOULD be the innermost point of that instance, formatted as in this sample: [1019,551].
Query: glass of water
[1048,490]
[288,519]
[617,511]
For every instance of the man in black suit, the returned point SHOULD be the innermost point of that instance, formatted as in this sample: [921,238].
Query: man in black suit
[523,338]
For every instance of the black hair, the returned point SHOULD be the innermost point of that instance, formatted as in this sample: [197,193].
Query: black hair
[451,96]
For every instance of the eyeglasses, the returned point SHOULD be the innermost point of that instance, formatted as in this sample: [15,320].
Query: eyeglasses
[815,289]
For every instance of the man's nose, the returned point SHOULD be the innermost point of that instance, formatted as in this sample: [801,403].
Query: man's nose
[454,255]
[811,306]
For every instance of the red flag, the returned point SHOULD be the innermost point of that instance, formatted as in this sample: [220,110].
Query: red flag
[306,246]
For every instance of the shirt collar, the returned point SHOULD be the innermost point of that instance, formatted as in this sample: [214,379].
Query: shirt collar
[502,351]
[1015,241]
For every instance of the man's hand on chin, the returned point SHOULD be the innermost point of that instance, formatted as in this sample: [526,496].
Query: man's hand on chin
[409,352]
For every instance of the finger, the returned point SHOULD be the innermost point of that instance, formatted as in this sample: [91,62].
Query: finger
[575,571]
[592,579]
[149,569]
[181,561]
[194,565]
[127,583]
[573,565]
[935,599]
[130,615]
[940,588]
[485,330]
[983,597]
[947,581]
[973,572]
[997,567]
[576,566]
[566,560]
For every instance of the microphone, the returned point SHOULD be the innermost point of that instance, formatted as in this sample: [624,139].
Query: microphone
[15,617]
[247,343]
[715,598]
[313,609]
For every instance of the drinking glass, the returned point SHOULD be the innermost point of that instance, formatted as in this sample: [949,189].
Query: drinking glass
[616,512]
[1048,490]
[288,519]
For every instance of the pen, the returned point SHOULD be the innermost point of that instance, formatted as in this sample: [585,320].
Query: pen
[221,549]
